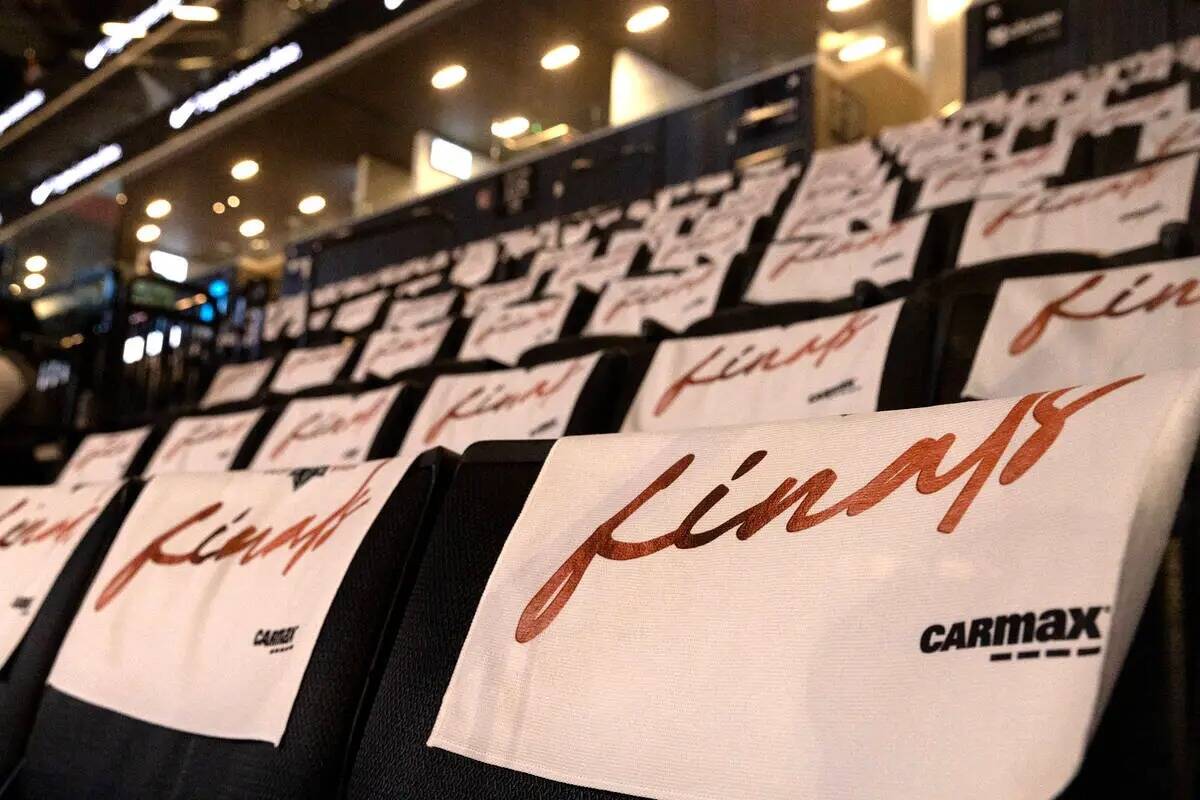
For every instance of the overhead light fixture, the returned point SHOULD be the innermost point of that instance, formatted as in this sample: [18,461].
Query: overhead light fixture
[36,263]
[169,265]
[175,337]
[233,201]
[392,5]
[562,56]
[14,288]
[77,173]
[157,209]
[449,77]
[148,233]
[862,48]
[508,128]
[123,30]
[196,13]
[942,11]
[135,349]
[840,6]
[237,82]
[647,19]
[313,204]
[244,170]
[154,343]
[21,109]
[34,281]
[447,157]
[218,207]
[252,227]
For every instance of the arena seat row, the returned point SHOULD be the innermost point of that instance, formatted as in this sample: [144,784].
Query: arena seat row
[338,577]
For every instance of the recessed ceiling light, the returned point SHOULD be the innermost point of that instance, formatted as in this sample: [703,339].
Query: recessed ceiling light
[148,233]
[252,227]
[14,288]
[449,77]
[196,13]
[122,29]
[218,207]
[233,201]
[33,281]
[561,56]
[244,170]
[157,209]
[838,6]
[36,263]
[863,48]
[647,19]
[313,204]
[122,199]
[508,128]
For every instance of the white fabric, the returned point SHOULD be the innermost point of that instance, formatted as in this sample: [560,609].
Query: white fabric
[791,664]
[716,238]
[498,295]
[871,207]
[1168,137]
[103,457]
[203,444]
[476,264]
[219,648]
[355,315]
[323,431]
[534,403]
[673,300]
[404,314]
[574,256]
[827,269]
[504,334]
[809,369]
[1024,171]
[286,317]
[593,275]
[418,267]
[237,383]
[310,367]
[327,295]
[1104,216]
[1170,103]
[418,286]
[319,320]
[1089,327]
[388,353]
[836,169]
[40,527]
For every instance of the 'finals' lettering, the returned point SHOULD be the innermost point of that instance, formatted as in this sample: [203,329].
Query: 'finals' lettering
[34,530]
[749,362]
[922,462]
[483,400]
[1182,295]
[251,543]
[321,423]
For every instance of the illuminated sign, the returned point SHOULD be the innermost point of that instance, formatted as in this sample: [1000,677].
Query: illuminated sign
[279,59]
[21,109]
[62,182]
[136,27]
[451,159]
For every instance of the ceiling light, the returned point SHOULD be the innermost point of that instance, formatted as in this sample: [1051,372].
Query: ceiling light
[313,204]
[447,157]
[218,207]
[233,201]
[154,343]
[148,233]
[135,349]
[647,19]
[244,170]
[863,48]
[157,209]
[252,227]
[196,13]
[449,77]
[122,199]
[508,128]
[14,288]
[169,265]
[839,6]
[941,11]
[392,5]
[36,263]
[123,30]
[33,281]
[561,56]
